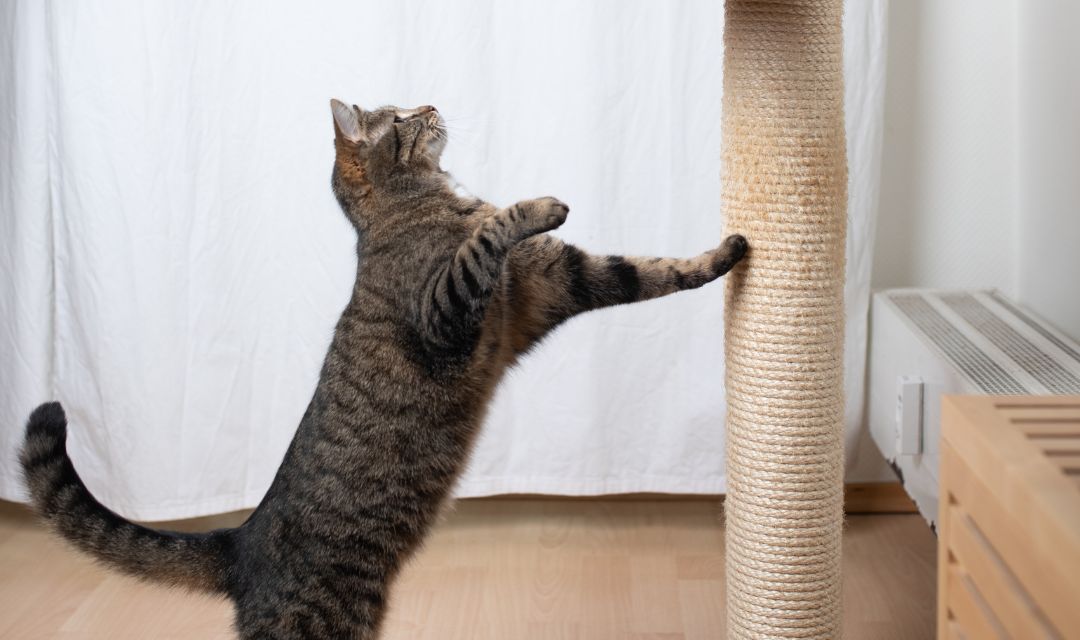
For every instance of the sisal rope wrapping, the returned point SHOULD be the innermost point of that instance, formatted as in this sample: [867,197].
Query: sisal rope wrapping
[785,188]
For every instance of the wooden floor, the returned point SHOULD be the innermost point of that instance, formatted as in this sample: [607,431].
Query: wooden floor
[501,569]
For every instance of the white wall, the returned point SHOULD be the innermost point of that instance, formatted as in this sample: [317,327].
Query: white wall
[1047,220]
[981,169]
[948,184]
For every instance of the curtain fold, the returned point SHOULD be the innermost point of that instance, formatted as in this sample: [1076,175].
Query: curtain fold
[174,262]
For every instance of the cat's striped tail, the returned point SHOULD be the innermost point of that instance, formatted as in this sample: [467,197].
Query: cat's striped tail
[194,560]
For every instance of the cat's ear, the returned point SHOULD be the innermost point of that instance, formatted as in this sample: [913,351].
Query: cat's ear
[346,120]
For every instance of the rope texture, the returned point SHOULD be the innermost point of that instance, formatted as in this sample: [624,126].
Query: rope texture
[785,188]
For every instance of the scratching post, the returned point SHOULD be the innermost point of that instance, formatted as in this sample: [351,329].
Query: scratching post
[785,188]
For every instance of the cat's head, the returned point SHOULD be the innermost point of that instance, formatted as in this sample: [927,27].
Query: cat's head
[384,149]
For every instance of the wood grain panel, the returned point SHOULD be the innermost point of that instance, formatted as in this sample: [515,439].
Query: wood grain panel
[967,609]
[1004,595]
[1010,517]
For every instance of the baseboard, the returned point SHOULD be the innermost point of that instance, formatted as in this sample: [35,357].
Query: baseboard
[859,497]
[877,497]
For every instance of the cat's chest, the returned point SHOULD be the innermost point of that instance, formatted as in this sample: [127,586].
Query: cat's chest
[459,190]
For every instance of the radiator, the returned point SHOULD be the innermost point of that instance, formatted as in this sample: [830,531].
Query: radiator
[924,344]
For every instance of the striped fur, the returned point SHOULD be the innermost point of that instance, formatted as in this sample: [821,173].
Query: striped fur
[190,560]
[449,292]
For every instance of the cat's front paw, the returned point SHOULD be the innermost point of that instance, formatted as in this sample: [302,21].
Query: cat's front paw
[735,246]
[730,251]
[545,214]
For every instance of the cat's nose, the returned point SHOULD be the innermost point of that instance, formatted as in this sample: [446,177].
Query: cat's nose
[427,108]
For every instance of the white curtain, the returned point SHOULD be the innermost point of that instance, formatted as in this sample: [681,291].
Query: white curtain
[173,260]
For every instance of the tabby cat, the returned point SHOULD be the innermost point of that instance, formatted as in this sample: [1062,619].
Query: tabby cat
[449,292]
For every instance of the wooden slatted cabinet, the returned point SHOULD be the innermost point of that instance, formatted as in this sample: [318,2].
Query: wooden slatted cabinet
[1009,538]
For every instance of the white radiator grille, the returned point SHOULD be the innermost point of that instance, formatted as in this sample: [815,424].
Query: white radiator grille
[1066,346]
[998,347]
